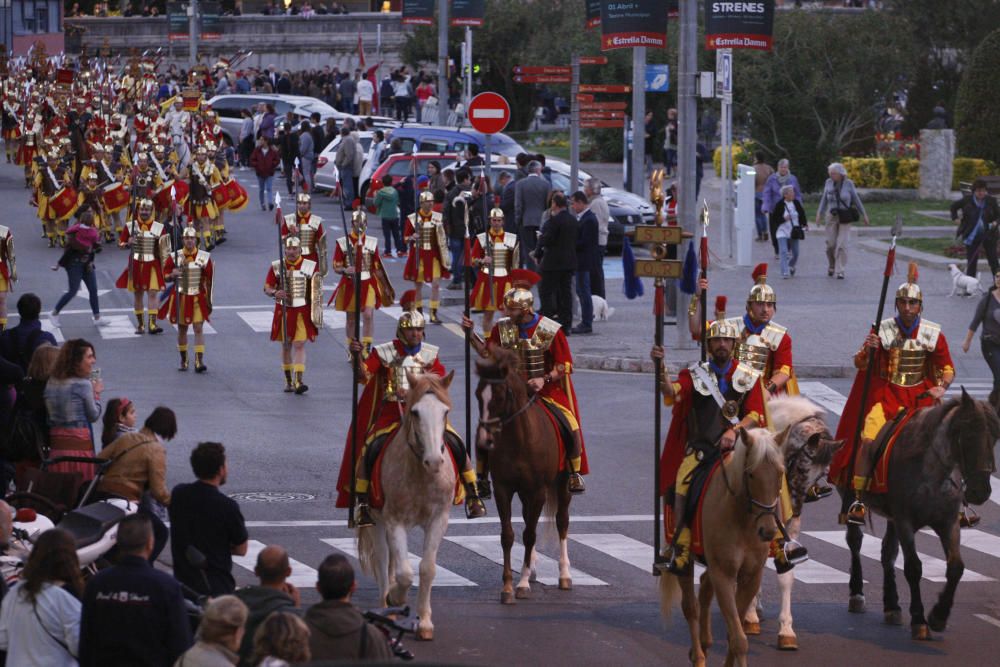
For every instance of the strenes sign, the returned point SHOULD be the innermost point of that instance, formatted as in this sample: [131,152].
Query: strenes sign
[489,113]
[739,25]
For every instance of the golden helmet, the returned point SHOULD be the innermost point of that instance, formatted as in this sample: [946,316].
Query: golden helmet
[411,318]
[303,198]
[761,292]
[426,196]
[201,151]
[190,233]
[910,289]
[292,242]
[360,219]
[145,204]
[723,329]
[496,212]
[520,296]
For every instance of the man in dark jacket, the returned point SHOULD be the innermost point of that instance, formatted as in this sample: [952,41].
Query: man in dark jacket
[455,206]
[558,250]
[288,144]
[19,343]
[587,256]
[275,593]
[505,184]
[338,631]
[977,215]
[133,614]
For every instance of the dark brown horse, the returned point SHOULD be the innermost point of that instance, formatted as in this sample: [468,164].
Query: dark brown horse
[942,453]
[524,460]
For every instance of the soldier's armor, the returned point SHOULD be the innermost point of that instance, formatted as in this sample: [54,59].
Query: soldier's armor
[706,422]
[306,233]
[367,253]
[145,242]
[192,269]
[397,385]
[755,350]
[907,356]
[530,351]
[299,286]
[503,254]
[143,180]
[199,191]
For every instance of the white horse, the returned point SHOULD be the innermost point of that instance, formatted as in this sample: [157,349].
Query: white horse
[808,448]
[418,483]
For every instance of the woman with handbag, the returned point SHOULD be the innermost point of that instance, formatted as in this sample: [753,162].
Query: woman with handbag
[842,206]
[988,314]
[789,221]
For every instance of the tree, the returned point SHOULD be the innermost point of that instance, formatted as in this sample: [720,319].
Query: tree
[817,94]
[977,119]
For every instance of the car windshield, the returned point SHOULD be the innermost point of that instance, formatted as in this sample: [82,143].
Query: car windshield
[320,107]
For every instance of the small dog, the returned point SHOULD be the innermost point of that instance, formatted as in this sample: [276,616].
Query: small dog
[602,311]
[963,285]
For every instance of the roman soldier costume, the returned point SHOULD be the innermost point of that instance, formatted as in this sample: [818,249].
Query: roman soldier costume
[89,197]
[385,372]
[190,302]
[150,246]
[8,270]
[493,279]
[201,207]
[428,260]
[358,250]
[308,227]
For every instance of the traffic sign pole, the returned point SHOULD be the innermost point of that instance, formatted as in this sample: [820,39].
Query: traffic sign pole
[639,120]
[574,123]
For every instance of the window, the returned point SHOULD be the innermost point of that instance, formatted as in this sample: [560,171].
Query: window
[433,145]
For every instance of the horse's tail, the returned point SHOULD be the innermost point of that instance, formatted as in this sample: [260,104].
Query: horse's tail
[366,550]
[670,593]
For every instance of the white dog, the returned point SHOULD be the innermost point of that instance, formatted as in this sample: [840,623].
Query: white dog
[963,285]
[602,311]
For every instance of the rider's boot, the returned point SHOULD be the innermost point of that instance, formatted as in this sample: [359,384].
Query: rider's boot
[817,492]
[576,485]
[968,518]
[679,562]
[483,488]
[858,513]
[475,508]
[787,554]
[363,517]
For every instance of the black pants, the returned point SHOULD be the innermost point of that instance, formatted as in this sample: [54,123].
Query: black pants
[556,292]
[597,273]
[972,253]
[991,353]
[289,169]
[528,240]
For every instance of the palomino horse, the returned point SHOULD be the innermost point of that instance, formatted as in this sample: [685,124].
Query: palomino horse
[808,447]
[418,483]
[942,453]
[524,460]
[738,523]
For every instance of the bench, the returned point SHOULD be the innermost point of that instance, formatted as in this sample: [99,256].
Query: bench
[992,185]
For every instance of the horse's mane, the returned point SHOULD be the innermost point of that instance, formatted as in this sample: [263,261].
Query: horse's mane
[925,427]
[790,410]
[428,383]
[765,449]
[500,365]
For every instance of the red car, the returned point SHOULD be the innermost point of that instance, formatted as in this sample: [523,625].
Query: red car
[399,166]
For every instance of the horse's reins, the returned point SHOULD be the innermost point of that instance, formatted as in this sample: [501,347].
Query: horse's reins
[495,424]
[765,509]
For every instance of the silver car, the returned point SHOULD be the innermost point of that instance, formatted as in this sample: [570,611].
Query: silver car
[327,177]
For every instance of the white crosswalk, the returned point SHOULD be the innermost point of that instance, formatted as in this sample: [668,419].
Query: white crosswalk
[442,576]
[546,568]
[302,574]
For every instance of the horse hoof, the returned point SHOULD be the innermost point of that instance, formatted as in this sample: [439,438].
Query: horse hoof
[565,584]
[506,597]
[937,622]
[787,643]
[522,592]
[425,634]
[920,632]
[856,605]
[894,617]
[751,628]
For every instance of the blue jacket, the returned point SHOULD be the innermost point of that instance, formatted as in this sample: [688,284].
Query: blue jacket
[587,241]
[17,344]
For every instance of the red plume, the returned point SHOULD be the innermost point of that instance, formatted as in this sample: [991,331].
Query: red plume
[305,186]
[720,303]
[912,273]
[356,204]
[408,299]
[760,271]
[524,278]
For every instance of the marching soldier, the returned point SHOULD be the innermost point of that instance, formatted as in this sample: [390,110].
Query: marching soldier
[297,288]
[546,363]
[8,271]
[201,206]
[913,369]
[190,304]
[428,260]
[495,253]
[143,276]
[90,197]
[385,372]
[375,287]
[712,401]
[11,131]
[308,227]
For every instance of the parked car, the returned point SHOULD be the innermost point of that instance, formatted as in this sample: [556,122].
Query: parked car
[230,106]
[327,177]
[399,166]
[429,138]
[612,194]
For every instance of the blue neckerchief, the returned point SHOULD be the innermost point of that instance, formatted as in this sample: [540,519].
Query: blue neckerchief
[411,351]
[748,323]
[721,374]
[907,331]
[524,327]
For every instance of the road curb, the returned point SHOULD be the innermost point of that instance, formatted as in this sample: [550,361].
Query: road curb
[909,254]
[594,362]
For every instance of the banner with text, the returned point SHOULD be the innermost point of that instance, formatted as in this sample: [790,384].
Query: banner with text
[625,25]
[467,12]
[593,12]
[418,12]
[739,25]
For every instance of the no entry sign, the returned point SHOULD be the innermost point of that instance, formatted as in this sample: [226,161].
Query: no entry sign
[489,113]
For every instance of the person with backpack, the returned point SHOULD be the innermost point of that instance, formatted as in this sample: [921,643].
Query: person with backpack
[17,344]
[78,260]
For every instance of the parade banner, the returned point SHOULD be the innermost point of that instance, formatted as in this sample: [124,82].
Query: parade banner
[739,25]
[625,25]
[418,12]
[467,12]
[593,8]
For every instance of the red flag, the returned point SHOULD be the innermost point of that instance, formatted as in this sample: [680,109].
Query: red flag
[361,51]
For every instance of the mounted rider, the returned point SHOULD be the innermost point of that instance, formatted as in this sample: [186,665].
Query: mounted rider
[386,372]
[544,360]
[913,369]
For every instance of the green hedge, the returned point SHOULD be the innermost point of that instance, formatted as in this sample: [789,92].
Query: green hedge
[742,154]
[903,174]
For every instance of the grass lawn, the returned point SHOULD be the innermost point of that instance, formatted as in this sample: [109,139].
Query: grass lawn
[945,247]
[884,213]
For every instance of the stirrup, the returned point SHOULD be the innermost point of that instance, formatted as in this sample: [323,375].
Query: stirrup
[576,484]
[794,552]
[968,518]
[678,552]
[475,508]
[857,513]
[817,493]
[483,488]
[364,516]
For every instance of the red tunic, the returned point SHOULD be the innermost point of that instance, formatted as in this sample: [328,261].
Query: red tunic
[141,275]
[194,307]
[298,319]
[301,220]
[371,294]
[423,265]
[481,298]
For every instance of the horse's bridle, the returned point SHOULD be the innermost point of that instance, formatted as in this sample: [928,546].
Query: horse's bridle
[494,425]
[765,508]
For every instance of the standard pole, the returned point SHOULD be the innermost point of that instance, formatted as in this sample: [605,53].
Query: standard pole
[574,122]
[639,120]
[193,33]
[442,90]
[658,309]
[468,66]
[687,68]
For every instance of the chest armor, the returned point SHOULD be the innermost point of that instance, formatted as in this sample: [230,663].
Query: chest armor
[530,351]
[397,385]
[502,253]
[306,232]
[145,241]
[191,272]
[367,251]
[706,420]
[907,364]
[426,232]
[755,350]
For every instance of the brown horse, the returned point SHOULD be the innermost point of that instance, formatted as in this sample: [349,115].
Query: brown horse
[942,454]
[524,460]
[739,520]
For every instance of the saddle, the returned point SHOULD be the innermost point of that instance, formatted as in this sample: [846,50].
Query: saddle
[881,449]
[700,479]
[375,454]
[562,428]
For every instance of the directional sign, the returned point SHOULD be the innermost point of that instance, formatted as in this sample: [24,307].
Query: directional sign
[541,78]
[594,124]
[604,88]
[489,113]
[545,69]
[593,60]
[601,115]
[603,106]
[584,98]
[657,78]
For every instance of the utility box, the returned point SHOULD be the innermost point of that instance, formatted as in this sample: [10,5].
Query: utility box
[743,215]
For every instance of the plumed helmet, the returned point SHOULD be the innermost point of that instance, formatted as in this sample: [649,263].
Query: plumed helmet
[761,292]
[146,204]
[190,233]
[411,318]
[910,289]
[720,306]
[292,242]
[496,212]
[303,198]
[426,196]
[520,296]
[360,219]
[723,329]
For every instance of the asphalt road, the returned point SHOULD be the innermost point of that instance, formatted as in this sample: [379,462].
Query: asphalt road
[284,451]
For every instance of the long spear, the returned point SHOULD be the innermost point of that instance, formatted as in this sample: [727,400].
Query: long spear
[281,270]
[704,276]
[358,253]
[466,260]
